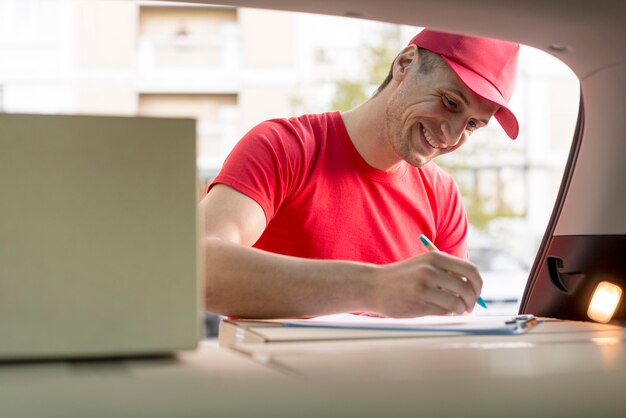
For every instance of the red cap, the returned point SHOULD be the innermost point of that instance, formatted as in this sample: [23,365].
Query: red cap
[488,67]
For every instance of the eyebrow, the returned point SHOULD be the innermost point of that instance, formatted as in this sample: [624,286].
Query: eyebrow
[467,103]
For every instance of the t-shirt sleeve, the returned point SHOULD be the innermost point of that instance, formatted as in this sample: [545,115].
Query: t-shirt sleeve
[452,226]
[265,165]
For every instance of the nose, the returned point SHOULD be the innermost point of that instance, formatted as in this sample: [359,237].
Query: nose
[453,129]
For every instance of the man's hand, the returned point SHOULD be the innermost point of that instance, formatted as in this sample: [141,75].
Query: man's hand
[431,284]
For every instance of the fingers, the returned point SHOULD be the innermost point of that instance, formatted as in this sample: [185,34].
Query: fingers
[431,309]
[452,285]
[458,268]
[447,301]
[430,284]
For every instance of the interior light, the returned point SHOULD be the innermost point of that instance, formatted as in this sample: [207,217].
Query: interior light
[604,301]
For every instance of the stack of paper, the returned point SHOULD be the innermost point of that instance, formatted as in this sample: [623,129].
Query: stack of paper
[463,324]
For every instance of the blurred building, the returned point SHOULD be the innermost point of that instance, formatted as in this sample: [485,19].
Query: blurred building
[228,68]
[231,68]
[158,59]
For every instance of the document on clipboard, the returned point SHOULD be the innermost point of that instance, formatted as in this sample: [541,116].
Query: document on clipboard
[478,325]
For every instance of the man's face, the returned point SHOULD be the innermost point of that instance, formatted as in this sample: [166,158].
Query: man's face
[433,114]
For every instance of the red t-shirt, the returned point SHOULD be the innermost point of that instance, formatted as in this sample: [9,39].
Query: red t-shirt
[322,200]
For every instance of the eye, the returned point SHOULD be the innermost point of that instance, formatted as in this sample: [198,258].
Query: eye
[449,102]
[472,125]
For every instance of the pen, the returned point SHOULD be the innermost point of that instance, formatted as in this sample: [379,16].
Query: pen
[431,247]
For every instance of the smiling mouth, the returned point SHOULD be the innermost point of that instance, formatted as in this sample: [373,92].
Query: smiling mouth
[429,139]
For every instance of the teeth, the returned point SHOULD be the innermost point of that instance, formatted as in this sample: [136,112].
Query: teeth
[429,139]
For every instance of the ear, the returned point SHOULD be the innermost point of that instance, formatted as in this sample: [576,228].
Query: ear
[403,62]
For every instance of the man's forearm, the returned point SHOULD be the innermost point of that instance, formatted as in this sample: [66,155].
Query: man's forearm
[249,283]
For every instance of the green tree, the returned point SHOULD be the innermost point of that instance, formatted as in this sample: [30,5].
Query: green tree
[376,60]
[348,94]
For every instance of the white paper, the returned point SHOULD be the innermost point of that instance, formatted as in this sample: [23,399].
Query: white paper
[505,324]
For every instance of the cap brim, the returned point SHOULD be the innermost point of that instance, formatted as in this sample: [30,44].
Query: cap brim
[486,90]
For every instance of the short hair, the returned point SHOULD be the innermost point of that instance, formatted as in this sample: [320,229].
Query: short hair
[428,62]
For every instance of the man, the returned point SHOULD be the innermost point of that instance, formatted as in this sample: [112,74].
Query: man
[322,214]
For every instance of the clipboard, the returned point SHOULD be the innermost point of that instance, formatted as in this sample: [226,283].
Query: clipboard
[475,325]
